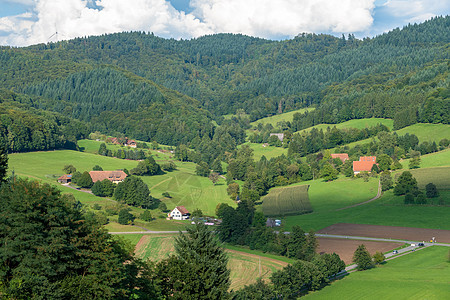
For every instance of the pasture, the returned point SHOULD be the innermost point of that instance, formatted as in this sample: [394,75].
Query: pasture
[439,176]
[356,123]
[420,275]
[437,159]
[287,201]
[245,266]
[288,116]
[268,151]
[185,188]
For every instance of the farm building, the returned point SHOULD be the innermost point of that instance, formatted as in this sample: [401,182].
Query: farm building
[113,176]
[342,156]
[280,136]
[179,213]
[65,178]
[364,164]
[131,143]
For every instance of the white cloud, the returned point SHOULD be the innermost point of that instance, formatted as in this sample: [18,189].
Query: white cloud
[73,18]
[272,19]
[263,18]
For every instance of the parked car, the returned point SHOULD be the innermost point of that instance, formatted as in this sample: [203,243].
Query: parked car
[420,244]
[395,252]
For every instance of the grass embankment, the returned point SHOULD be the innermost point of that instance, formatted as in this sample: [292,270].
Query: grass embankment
[245,265]
[287,201]
[437,159]
[420,275]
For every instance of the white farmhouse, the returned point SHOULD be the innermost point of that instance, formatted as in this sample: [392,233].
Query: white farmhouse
[179,213]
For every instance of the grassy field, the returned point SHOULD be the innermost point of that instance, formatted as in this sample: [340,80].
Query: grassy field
[281,117]
[287,201]
[185,188]
[440,176]
[423,274]
[269,151]
[245,265]
[357,123]
[437,159]
[427,132]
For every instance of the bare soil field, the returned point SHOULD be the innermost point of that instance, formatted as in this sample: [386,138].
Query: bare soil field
[388,232]
[345,248]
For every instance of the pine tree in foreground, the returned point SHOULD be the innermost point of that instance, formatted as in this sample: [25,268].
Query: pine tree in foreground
[199,268]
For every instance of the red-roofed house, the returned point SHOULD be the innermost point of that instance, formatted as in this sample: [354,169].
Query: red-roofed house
[131,143]
[113,176]
[364,164]
[341,156]
[179,213]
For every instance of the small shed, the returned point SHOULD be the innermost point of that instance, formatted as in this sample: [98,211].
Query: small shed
[65,178]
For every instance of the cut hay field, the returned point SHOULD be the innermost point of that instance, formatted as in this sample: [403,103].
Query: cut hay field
[245,267]
[423,274]
[287,201]
[288,116]
[357,123]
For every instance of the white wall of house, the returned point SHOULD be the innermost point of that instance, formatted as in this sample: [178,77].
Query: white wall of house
[177,215]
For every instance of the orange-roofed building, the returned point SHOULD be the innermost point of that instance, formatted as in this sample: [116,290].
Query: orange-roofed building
[364,164]
[113,176]
[342,156]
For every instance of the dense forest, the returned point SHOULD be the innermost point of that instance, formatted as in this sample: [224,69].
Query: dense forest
[176,91]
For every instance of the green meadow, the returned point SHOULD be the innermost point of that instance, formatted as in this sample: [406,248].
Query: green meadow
[423,274]
[288,116]
[357,123]
[437,159]
[268,151]
[183,185]
[424,132]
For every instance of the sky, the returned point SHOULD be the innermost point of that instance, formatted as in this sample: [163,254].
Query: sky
[27,22]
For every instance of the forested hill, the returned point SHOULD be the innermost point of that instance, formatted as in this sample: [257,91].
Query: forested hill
[126,82]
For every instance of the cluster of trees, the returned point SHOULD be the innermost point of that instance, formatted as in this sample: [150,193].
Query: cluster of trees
[133,191]
[226,73]
[148,166]
[295,279]
[244,226]
[132,154]
[24,129]
[406,185]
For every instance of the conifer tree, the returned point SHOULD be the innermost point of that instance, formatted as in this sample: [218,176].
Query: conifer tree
[199,268]
[362,258]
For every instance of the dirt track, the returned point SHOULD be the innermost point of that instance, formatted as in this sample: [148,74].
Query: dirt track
[346,248]
[389,232]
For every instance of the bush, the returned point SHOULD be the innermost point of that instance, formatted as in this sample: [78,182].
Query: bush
[431,190]
[146,216]
[69,169]
[85,180]
[162,207]
[378,258]
[421,199]
[125,217]
[166,194]
[409,198]
[97,168]
[97,206]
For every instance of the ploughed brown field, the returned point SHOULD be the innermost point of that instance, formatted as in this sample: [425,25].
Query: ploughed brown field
[345,248]
[388,232]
